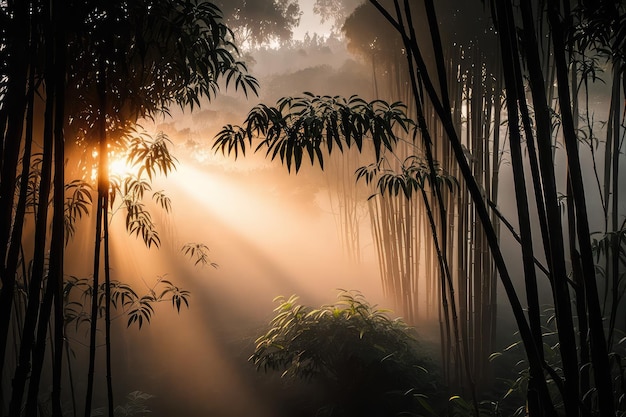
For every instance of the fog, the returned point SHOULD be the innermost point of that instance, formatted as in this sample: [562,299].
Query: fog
[270,237]
[268,233]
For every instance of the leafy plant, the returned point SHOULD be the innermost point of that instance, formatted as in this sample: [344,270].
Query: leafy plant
[124,299]
[517,386]
[414,175]
[370,364]
[135,406]
[311,124]
[200,252]
[77,204]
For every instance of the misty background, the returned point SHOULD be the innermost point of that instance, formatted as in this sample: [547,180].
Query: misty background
[269,232]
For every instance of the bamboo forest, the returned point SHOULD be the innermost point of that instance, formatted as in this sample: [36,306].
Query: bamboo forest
[313,208]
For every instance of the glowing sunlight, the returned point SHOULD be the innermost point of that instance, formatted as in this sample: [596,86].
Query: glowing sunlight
[118,165]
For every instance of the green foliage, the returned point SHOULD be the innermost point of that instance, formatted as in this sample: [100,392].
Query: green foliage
[307,126]
[200,252]
[138,309]
[366,360]
[77,204]
[135,406]
[413,176]
[459,407]
[150,157]
[513,357]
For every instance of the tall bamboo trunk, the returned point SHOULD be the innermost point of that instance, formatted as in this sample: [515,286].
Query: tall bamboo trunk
[103,190]
[613,179]
[599,353]
[533,356]
[55,274]
[512,81]
[15,248]
[16,92]
[58,248]
[39,253]
[515,96]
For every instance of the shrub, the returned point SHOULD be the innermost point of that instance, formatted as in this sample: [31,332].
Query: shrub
[371,365]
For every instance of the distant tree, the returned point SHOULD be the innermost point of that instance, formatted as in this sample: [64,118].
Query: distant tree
[261,21]
[335,11]
[379,45]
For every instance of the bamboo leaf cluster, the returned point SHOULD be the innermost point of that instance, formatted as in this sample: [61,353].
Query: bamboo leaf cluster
[139,309]
[309,125]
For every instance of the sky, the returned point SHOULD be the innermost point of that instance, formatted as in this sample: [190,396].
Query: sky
[310,22]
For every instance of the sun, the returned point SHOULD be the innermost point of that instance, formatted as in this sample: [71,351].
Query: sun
[119,166]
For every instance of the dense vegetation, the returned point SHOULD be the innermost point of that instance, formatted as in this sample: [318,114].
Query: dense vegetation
[367,363]
[459,89]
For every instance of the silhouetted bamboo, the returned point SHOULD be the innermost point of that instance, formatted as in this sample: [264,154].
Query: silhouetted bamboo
[340,175]
[481,276]
[530,42]
[57,251]
[107,300]
[443,273]
[512,80]
[514,95]
[444,114]
[495,186]
[17,31]
[39,251]
[579,291]
[54,76]
[461,342]
[599,353]
[70,375]
[612,177]
[103,190]
[15,246]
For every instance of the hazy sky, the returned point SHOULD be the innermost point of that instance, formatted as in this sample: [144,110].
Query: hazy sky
[310,22]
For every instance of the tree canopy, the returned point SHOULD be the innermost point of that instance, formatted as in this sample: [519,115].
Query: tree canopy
[261,21]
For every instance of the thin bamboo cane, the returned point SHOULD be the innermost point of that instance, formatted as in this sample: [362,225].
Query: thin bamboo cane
[41,240]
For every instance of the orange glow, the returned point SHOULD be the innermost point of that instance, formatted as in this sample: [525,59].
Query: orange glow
[118,165]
